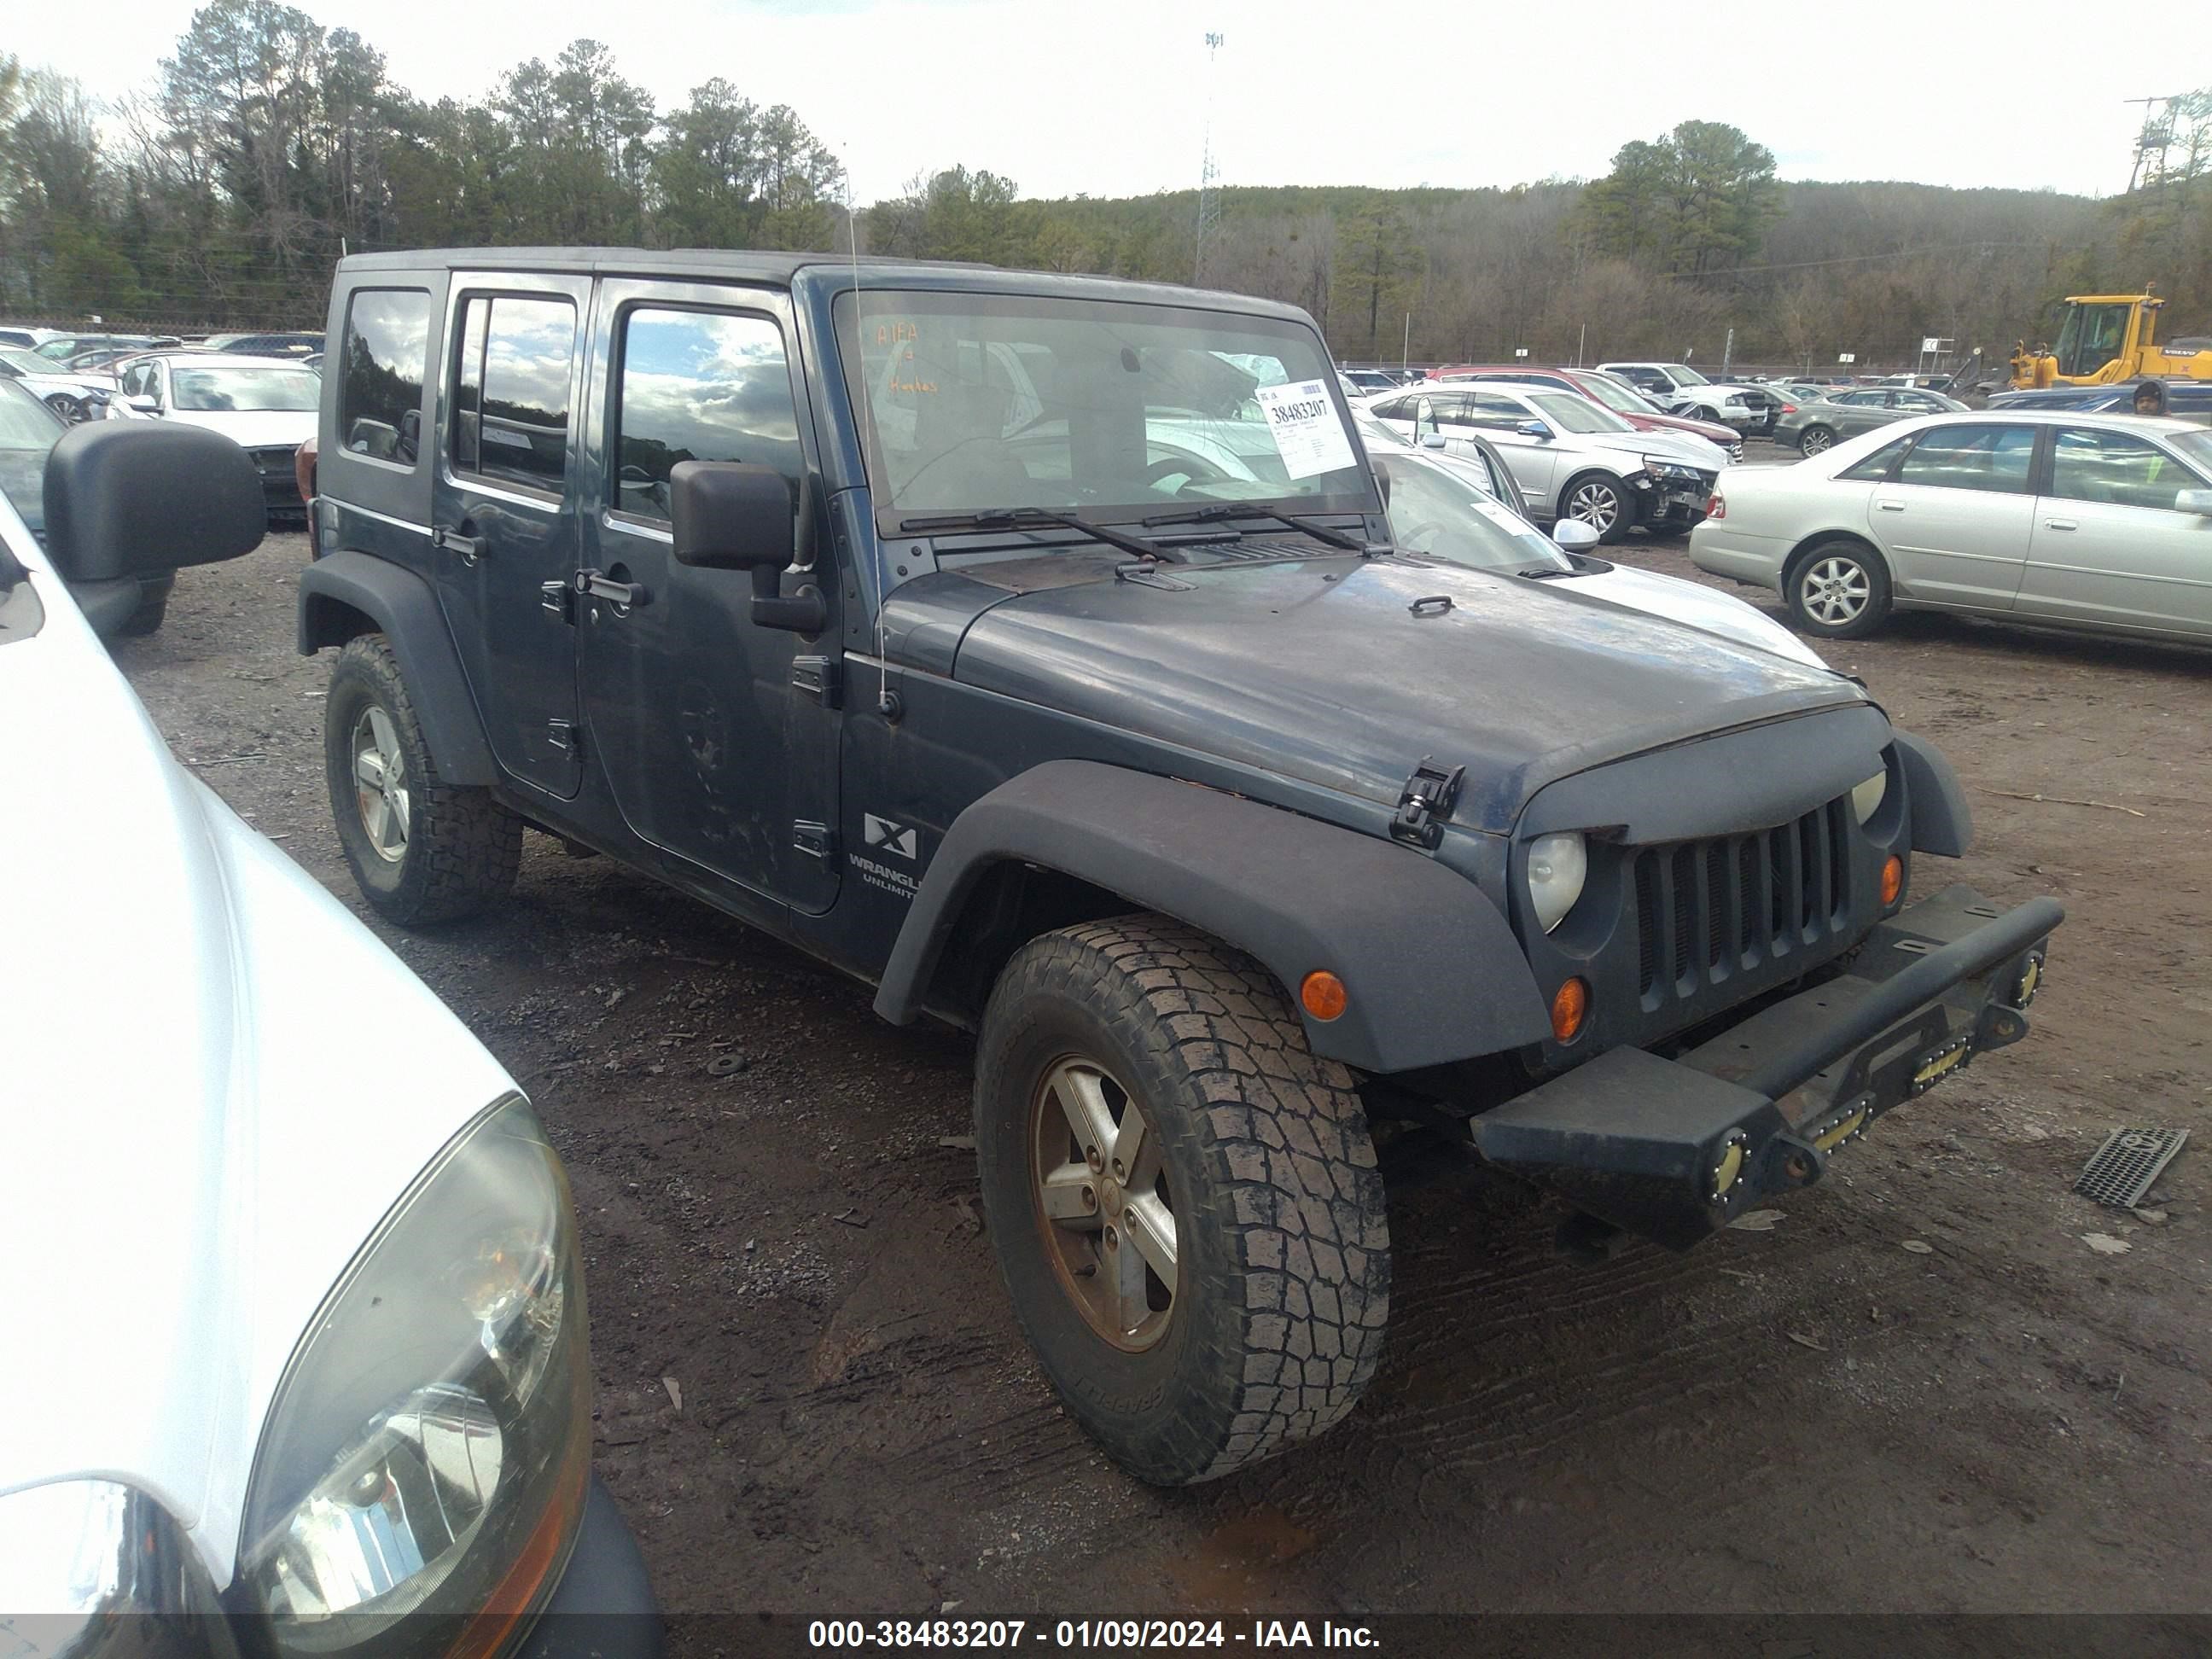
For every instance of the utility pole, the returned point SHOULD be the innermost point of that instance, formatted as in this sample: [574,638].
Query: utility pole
[2149,137]
[1728,352]
[1406,345]
[1209,211]
[1581,340]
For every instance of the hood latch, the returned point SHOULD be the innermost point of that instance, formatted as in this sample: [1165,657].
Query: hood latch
[1425,802]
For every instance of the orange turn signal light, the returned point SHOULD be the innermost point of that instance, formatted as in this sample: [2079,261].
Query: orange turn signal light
[1893,879]
[1322,994]
[1570,1006]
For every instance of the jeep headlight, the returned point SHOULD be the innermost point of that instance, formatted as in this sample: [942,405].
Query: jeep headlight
[1865,797]
[1557,866]
[428,1447]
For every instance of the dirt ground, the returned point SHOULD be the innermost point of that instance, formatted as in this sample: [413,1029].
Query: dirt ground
[1821,1417]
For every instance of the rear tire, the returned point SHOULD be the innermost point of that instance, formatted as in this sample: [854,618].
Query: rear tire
[1837,590]
[422,850]
[1815,440]
[1251,1160]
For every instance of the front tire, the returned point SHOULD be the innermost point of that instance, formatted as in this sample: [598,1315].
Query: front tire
[1184,1199]
[71,409]
[1837,590]
[1602,504]
[1815,440]
[422,850]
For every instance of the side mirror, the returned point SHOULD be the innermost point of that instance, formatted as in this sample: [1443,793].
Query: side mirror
[1433,440]
[142,405]
[142,501]
[2198,501]
[1533,430]
[1573,536]
[735,515]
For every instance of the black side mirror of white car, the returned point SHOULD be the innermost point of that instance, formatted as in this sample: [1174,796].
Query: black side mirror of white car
[124,499]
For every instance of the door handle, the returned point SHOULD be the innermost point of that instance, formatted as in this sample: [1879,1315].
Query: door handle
[2060,523]
[600,585]
[459,540]
[1891,507]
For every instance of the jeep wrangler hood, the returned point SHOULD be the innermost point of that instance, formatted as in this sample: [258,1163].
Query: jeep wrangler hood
[1329,671]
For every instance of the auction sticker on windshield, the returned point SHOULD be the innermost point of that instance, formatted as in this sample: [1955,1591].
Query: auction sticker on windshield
[1306,433]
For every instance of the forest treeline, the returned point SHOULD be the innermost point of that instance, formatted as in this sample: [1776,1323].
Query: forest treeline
[221,194]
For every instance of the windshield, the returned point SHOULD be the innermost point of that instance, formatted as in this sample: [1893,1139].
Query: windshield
[2195,448]
[2091,337]
[1098,407]
[1615,396]
[1434,509]
[25,362]
[1572,414]
[25,422]
[1684,375]
[236,391]
[1373,432]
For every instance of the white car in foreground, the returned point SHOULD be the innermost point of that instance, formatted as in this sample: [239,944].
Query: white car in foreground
[2097,522]
[268,406]
[1459,508]
[293,1281]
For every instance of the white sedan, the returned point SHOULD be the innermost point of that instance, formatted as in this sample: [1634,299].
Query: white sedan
[292,1273]
[2097,522]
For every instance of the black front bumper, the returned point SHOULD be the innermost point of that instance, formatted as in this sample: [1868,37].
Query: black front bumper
[603,1607]
[1675,1149]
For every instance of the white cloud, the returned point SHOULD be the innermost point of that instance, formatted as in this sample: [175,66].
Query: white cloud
[1109,98]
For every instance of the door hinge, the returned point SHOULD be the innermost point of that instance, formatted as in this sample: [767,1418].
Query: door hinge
[557,599]
[563,735]
[817,841]
[820,678]
[1426,803]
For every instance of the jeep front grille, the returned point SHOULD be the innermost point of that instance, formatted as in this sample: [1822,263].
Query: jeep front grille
[1708,910]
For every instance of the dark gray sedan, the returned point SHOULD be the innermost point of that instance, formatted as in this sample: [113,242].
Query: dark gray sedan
[1811,428]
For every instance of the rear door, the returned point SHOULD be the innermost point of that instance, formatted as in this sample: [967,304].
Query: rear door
[1955,520]
[2109,546]
[721,736]
[502,527]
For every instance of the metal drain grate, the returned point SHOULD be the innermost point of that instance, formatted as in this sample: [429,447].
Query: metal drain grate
[2126,1164]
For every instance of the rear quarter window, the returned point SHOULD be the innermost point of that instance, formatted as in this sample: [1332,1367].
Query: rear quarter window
[383,360]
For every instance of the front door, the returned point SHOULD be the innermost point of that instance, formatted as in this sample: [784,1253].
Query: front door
[1535,461]
[719,737]
[503,531]
[1955,520]
[2110,546]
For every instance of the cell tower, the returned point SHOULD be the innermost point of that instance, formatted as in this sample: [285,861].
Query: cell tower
[1209,209]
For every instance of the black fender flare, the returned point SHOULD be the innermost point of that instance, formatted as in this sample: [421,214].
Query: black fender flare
[1942,820]
[1433,972]
[405,609]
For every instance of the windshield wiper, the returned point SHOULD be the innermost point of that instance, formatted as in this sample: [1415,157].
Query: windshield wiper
[1013,518]
[1214,511]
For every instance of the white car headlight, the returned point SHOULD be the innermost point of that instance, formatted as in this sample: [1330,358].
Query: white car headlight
[1557,866]
[1865,797]
[428,1449]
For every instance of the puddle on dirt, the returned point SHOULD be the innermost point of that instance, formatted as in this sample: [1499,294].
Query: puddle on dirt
[1236,1567]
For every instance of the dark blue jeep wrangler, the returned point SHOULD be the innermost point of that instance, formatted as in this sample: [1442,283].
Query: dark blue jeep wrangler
[1032,647]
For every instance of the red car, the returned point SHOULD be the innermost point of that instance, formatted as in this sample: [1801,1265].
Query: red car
[1604,391]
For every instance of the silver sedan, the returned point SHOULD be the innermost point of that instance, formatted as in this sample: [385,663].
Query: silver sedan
[2097,522]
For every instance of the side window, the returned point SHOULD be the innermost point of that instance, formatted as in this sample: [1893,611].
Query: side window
[1493,413]
[382,362]
[510,402]
[1398,409]
[1876,467]
[2089,464]
[700,385]
[1992,458]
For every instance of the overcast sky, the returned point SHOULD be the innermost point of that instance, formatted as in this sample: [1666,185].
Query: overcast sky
[1109,97]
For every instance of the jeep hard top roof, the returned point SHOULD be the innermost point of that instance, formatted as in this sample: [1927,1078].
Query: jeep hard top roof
[695,264]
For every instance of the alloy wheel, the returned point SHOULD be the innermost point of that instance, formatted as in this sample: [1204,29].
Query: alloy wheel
[381,783]
[1816,440]
[1835,591]
[1595,505]
[1103,1209]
